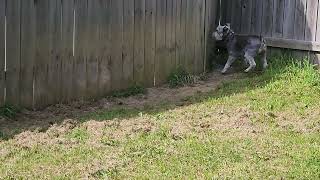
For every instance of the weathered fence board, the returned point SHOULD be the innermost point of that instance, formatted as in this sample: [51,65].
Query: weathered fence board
[128,47]
[54,65]
[66,56]
[311,20]
[116,44]
[65,50]
[246,12]
[267,18]
[150,42]
[160,42]
[288,21]
[105,37]
[300,19]
[139,46]
[256,17]
[81,51]
[13,52]
[278,12]
[28,53]
[2,50]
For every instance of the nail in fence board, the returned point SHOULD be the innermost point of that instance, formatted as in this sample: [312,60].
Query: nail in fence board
[28,52]
[150,41]
[128,45]
[13,52]
[246,8]
[2,50]
[139,22]
[66,56]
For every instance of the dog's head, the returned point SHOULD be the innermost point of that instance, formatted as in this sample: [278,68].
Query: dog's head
[221,32]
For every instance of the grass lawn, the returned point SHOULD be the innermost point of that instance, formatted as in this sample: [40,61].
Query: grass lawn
[258,126]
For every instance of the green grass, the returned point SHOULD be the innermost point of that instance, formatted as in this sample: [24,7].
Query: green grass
[131,91]
[263,125]
[9,111]
[180,77]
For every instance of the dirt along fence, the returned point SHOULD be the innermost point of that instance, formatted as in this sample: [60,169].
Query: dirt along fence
[290,25]
[57,51]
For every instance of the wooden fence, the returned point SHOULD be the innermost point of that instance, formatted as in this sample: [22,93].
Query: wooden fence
[54,51]
[290,24]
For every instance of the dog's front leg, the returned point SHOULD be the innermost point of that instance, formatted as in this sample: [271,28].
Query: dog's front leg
[231,59]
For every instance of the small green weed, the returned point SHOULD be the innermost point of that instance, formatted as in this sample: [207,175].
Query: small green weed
[132,91]
[180,77]
[9,111]
[79,134]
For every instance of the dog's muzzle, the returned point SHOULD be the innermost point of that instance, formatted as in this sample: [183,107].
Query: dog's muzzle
[217,36]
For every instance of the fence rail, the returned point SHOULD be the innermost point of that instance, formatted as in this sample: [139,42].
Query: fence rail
[54,51]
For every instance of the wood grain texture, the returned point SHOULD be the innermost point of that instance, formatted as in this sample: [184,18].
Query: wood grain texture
[13,52]
[81,51]
[105,61]
[236,16]
[256,17]
[116,47]
[2,51]
[128,45]
[300,19]
[278,14]
[150,42]
[28,52]
[190,36]
[246,8]
[311,21]
[67,57]
[160,42]
[54,64]
[267,18]
[288,21]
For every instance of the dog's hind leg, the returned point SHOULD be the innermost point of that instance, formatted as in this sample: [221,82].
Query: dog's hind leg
[251,61]
[264,59]
[231,59]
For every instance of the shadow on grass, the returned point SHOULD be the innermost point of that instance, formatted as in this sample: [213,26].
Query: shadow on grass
[243,84]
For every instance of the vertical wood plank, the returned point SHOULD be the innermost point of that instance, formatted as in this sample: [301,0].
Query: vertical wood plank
[179,36]
[93,47]
[42,54]
[256,17]
[228,14]
[13,52]
[28,52]
[139,20]
[202,36]
[182,38]
[105,37]
[300,18]
[160,41]
[278,14]
[318,24]
[190,38]
[2,50]
[174,48]
[288,21]
[150,42]
[116,41]
[54,65]
[128,45]
[81,43]
[311,20]
[169,62]
[267,18]
[246,7]
[207,34]
[236,16]
[198,60]
[67,58]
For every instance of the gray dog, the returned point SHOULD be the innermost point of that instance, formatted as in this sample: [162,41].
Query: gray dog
[241,46]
